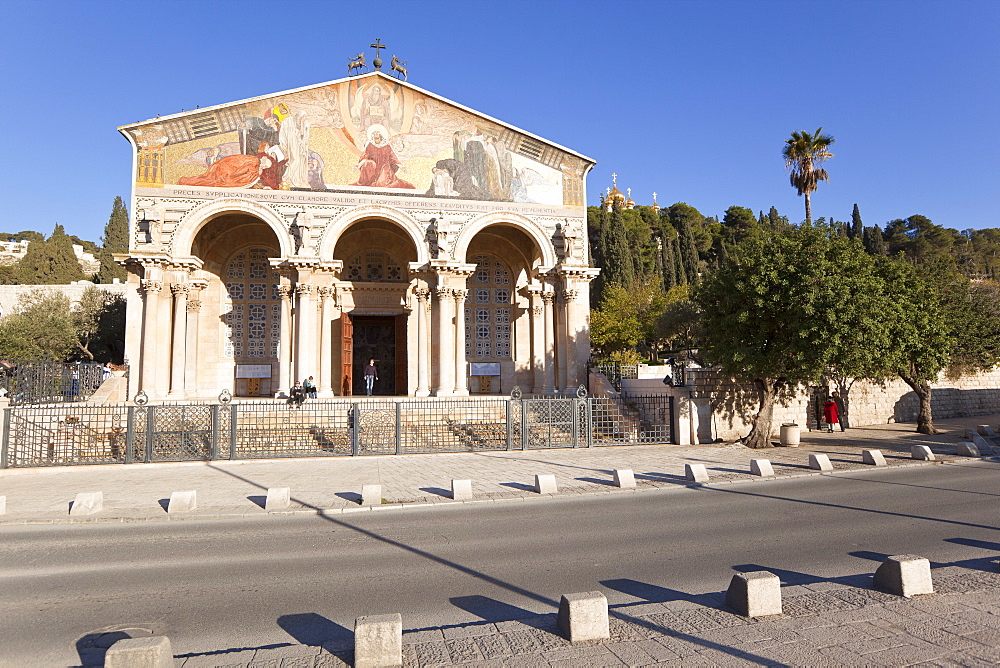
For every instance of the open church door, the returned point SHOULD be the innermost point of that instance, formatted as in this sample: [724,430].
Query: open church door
[402,388]
[346,354]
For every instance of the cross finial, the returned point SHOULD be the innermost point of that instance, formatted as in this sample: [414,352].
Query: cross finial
[609,192]
[614,179]
[629,191]
[654,198]
[378,61]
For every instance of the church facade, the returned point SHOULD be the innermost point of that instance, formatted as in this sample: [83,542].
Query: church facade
[307,232]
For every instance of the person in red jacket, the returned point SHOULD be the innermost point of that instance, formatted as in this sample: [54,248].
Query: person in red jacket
[831,414]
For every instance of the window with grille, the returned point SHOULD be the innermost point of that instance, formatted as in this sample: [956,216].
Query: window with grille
[488,310]
[252,307]
[375,266]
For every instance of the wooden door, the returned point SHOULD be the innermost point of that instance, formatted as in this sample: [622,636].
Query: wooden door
[347,354]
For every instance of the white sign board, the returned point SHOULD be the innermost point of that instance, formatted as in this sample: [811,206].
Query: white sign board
[253,370]
[485,369]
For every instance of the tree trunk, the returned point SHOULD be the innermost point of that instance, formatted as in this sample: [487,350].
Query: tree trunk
[760,435]
[809,209]
[925,418]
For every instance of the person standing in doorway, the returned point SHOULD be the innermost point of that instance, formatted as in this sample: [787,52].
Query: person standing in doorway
[371,375]
[831,414]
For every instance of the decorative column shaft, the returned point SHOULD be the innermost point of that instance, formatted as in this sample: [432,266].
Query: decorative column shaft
[423,376]
[562,342]
[305,354]
[461,367]
[178,342]
[550,375]
[191,363]
[446,342]
[150,306]
[325,385]
[537,340]
[285,340]
[572,328]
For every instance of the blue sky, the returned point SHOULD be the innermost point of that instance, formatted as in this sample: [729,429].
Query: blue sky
[692,100]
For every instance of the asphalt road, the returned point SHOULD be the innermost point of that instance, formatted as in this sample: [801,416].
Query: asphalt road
[252,583]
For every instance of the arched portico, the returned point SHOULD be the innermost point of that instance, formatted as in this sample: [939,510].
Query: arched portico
[343,223]
[203,214]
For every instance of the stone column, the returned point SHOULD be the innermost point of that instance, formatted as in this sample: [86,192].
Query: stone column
[178,339]
[461,367]
[191,365]
[549,353]
[285,340]
[305,353]
[577,355]
[150,335]
[537,313]
[325,385]
[423,375]
[562,339]
[446,342]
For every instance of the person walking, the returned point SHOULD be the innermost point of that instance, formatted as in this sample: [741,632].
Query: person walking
[371,375]
[831,414]
[841,410]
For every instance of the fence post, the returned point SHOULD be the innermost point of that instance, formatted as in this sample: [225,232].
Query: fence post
[130,435]
[399,428]
[150,425]
[524,426]
[214,454]
[510,426]
[6,438]
[574,407]
[354,424]
[589,410]
[233,430]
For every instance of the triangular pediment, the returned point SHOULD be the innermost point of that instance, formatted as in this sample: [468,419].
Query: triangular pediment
[371,133]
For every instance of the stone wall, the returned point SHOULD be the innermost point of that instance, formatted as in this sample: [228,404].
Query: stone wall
[722,408]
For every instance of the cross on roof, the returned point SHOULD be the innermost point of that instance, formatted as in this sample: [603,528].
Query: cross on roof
[614,179]
[378,61]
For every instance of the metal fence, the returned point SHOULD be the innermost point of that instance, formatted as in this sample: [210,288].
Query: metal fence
[64,434]
[47,381]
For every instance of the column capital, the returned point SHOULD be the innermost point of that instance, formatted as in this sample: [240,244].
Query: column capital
[303,288]
[285,291]
[193,305]
[569,295]
[442,293]
[325,292]
[180,289]
[459,294]
[151,287]
[548,297]
[422,294]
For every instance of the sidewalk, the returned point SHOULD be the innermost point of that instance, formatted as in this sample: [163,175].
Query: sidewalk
[138,492]
[824,623]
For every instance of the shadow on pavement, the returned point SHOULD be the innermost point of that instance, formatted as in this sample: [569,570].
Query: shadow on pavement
[313,629]
[490,609]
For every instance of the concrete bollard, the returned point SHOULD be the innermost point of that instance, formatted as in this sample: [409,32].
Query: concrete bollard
[87,503]
[820,463]
[152,652]
[755,594]
[183,502]
[3,505]
[904,575]
[964,449]
[584,616]
[922,452]
[981,443]
[987,431]
[461,490]
[761,467]
[546,484]
[371,495]
[873,457]
[624,478]
[970,434]
[378,641]
[696,472]
[278,498]
[790,435]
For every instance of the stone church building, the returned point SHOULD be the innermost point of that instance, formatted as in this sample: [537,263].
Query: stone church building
[306,232]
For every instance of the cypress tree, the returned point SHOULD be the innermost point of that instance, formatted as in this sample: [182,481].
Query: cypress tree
[857,227]
[682,278]
[50,262]
[115,240]
[619,263]
[874,241]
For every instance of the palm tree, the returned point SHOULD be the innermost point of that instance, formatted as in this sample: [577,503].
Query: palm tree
[804,153]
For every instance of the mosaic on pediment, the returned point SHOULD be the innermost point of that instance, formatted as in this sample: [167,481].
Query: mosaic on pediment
[365,134]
